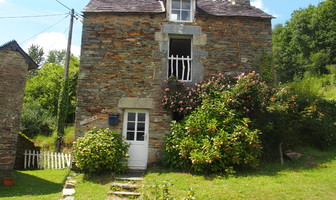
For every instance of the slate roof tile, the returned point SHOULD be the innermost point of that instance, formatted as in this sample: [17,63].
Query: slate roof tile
[151,6]
[206,7]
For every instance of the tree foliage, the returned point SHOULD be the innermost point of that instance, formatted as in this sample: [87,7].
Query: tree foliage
[36,53]
[56,56]
[306,42]
[43,91]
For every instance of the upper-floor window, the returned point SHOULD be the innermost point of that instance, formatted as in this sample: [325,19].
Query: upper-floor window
[180,59]
[181,10]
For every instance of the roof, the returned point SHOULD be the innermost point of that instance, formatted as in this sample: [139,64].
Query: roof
[129,6]
[226,8]
[16,47]
[206,7]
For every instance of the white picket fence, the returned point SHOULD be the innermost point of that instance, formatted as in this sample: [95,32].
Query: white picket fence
[46,160]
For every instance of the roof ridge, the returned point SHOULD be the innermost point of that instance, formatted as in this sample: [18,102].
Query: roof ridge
[16,47]
[8,43]
[207,7]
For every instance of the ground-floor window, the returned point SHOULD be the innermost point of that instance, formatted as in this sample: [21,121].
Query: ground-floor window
[136,125]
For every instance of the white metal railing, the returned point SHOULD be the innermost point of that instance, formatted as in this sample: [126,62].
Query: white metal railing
[180,67]
[46,160]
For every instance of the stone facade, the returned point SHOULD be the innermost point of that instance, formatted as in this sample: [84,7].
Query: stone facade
[13,72]
[124,62]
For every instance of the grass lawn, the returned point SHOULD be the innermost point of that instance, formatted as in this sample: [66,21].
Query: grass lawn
[93,187]
[311,177]
[37,184]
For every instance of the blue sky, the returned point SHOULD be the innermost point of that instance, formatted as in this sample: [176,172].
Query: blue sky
[51,32]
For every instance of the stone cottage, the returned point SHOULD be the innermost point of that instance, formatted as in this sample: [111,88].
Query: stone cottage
[130,47]
[14,65]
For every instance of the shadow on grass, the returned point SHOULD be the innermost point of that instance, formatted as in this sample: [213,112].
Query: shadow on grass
[311,159]
[26,184]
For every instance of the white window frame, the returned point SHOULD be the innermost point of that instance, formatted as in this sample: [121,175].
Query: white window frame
[191,11]
[136,121]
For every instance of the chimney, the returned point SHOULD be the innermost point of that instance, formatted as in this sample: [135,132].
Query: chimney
[240,2]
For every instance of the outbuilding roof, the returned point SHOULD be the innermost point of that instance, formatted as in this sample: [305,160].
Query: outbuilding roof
[16,47]
[206,7]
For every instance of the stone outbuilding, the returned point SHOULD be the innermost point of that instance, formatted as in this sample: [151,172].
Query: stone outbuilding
[14,65]
[129,49]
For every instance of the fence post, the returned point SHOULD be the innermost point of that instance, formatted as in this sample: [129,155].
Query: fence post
[44,160]
[52,160]
[33,159]
[63,158]
[69,160]
[59,161]
[29,154]
[25,160]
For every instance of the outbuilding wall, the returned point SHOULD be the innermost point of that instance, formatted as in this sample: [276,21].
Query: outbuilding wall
[13,71]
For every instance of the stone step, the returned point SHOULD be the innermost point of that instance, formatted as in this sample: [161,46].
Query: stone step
[68,192]
[114,197]
[125,193]
[69,198]
[69,185]
[126,186]
[130,178]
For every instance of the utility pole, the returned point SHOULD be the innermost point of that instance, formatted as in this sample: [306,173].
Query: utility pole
[67,58]
[63,100]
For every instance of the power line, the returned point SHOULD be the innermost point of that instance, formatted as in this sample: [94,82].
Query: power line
[63,5]
[45,29]
[68,8]
[31,16]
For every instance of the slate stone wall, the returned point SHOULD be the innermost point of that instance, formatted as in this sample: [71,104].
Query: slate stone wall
[234,44]
[125,56]
[13,71]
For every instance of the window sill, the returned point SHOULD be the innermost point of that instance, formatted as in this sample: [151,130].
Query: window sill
[175,21]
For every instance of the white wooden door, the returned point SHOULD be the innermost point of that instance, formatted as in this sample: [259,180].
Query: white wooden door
[135,132]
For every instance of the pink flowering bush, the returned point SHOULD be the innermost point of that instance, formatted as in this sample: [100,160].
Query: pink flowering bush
[211,139]
[219,110]
[250,95]
[179,98]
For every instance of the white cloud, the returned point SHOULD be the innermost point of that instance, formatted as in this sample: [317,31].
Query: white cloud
[52,41]
[2,1]
[258,4]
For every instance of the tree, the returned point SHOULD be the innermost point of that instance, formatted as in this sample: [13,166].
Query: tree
[56,56]
[36,53]
[306,42]
[44,88]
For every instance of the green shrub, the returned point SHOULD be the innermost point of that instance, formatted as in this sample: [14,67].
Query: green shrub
[318,124]
[283,114]
[101,150]
[47,143]
[35,120]
[212,139]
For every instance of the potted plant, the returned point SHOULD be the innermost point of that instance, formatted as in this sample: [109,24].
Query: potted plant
[8,179]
